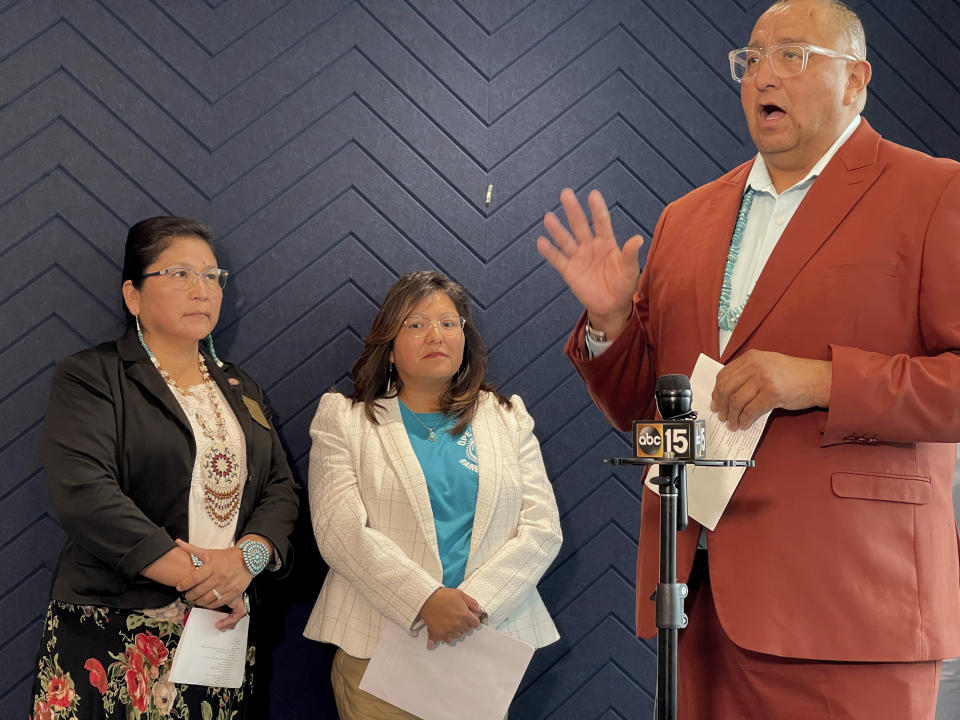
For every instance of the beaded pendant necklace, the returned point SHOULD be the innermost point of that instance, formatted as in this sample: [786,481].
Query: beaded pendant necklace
[727,316]
[219,466]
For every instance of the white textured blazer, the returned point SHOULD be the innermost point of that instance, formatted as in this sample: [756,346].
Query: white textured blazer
[374,525]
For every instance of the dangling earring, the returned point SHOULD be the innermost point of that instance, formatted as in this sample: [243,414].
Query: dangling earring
[143,343]
[389,373]
[213,353]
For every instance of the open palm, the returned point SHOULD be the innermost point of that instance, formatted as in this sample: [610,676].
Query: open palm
[600,274]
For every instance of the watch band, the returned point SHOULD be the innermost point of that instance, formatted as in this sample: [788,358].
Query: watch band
[255,556]
[595,335]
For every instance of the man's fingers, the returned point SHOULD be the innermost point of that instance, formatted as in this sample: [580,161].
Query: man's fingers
[723,402]
[551,254]
[575,215]
[729,381]
[602,226]
[630,256]
[754,409]
[737,405]
[561,236]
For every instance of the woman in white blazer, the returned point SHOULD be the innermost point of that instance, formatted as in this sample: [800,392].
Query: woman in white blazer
[428,494]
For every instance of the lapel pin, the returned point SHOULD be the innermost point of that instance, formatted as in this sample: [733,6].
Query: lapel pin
[233,381]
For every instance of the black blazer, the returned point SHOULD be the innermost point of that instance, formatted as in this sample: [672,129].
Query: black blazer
[118,453]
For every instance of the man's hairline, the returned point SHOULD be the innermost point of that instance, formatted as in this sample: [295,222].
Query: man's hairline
[836,23]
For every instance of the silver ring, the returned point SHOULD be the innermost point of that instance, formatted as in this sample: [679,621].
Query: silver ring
[217,595]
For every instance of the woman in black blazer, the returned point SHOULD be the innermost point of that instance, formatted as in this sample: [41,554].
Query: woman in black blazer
[171,484]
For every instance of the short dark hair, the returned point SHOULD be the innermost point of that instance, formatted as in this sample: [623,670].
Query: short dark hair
[372,378]
[147,239]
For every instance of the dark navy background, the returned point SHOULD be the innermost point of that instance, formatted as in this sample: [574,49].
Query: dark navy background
[334,145]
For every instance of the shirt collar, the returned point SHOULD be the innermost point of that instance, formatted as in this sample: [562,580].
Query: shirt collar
[759,177]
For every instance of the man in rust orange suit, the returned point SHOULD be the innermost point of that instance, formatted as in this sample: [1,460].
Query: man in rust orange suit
[825,275]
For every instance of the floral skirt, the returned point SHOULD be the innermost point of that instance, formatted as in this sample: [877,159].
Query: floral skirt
[98,663]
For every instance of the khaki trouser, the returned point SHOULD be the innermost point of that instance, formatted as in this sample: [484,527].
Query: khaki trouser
[352,702]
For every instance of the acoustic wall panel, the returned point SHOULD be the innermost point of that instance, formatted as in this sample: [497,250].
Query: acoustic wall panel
[334,145]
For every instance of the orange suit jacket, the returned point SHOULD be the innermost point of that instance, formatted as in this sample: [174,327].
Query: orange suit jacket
[841,543]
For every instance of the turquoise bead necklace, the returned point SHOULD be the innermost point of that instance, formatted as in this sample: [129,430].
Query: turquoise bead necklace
[727,317]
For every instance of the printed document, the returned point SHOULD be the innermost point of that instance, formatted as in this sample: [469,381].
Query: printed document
[709,489]
[474,679]
[206,656]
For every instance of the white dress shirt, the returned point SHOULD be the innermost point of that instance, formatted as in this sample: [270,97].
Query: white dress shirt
[769,216]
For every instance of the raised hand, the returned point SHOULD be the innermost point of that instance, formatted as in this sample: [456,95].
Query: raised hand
[601,275]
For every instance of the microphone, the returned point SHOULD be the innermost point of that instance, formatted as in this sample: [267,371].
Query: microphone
[674,396]
[679,436]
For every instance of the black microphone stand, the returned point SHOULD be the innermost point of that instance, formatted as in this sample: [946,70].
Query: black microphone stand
[670,594]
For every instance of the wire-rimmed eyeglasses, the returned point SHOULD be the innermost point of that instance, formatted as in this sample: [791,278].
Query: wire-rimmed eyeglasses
[183,278]
[449,326]
[786,60]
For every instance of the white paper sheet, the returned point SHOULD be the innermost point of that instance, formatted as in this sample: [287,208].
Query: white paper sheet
[206,656]
[475,679]
[709,489]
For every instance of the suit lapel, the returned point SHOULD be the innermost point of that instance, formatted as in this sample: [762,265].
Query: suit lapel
[488,443]
[833,194]
[399,454]
[140,369]
[712,255]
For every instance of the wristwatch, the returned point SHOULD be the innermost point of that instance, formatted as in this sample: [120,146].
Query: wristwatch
[595,335]
[255,556]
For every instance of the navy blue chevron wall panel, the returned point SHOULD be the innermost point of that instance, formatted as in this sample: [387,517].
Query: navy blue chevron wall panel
[334,145]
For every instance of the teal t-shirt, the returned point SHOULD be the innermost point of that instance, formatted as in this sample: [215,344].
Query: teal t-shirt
[449,465]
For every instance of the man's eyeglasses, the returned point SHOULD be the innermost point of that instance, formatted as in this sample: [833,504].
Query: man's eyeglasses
[185,278]
[786,60]
[449,326]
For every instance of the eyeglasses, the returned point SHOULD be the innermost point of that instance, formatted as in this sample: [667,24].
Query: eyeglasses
[449,326]
[786,60]
[185,278]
